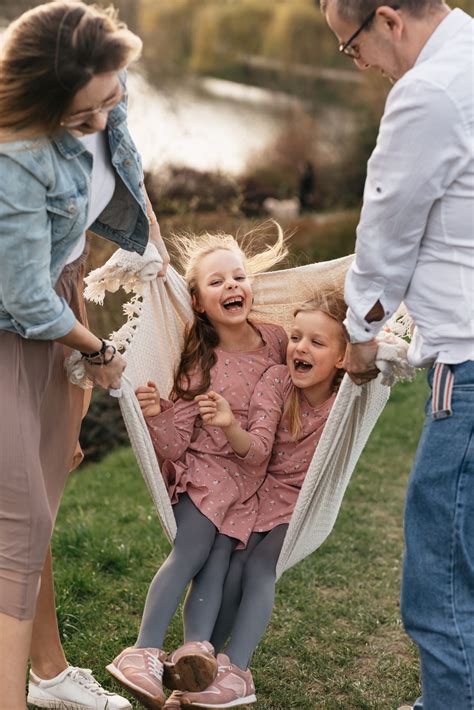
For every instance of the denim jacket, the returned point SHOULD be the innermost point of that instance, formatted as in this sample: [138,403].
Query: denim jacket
[44,187]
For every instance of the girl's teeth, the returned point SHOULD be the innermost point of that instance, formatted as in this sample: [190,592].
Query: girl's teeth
[302,366]
[233,304]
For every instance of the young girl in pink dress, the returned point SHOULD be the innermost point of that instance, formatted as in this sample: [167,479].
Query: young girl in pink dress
[213,491]
[287,415]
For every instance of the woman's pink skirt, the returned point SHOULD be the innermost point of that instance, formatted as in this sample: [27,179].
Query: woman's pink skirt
[40,418]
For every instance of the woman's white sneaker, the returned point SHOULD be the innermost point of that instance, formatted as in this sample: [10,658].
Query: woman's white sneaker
[73,689]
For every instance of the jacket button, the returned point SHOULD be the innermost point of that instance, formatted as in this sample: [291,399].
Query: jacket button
[140,184]
[71,209]
[127,163]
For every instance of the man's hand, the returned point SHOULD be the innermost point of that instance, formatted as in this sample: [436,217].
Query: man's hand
[214,409]
[359,362]
[157,239]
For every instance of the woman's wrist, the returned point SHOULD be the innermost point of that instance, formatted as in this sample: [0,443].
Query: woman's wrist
[80,338]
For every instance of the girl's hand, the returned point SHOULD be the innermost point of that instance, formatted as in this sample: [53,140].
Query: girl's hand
[214,409]
[149,399]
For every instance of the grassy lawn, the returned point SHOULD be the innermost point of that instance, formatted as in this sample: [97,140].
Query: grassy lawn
[335,640]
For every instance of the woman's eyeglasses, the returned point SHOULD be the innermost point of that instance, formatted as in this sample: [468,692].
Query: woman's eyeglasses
[351,50]
[77,119]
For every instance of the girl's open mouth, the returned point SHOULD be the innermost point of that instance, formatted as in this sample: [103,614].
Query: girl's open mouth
[302,366]
[234,303]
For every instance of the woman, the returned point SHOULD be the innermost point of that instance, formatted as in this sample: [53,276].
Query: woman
[67,163]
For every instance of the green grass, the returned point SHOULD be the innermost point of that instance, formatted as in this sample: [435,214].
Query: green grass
[335,640]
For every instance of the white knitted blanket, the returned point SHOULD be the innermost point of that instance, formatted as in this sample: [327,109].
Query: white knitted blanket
[152,338]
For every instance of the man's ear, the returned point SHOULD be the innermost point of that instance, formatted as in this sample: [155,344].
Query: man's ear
[391,19]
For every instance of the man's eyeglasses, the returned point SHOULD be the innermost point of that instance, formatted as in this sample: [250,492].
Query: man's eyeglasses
[353,51]
[77,119]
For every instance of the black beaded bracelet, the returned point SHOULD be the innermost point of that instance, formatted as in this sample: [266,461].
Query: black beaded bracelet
[105,360]
[91,358]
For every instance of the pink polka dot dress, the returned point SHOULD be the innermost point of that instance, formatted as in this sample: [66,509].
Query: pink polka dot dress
[290,459]
[198,459]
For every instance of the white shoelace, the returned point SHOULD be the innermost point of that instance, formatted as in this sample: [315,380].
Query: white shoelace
[155,666]
[84,677]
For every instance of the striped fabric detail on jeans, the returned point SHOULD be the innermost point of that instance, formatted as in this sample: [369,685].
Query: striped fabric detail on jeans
[443,380]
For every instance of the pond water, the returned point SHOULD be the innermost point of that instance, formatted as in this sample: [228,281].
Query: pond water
[207,124]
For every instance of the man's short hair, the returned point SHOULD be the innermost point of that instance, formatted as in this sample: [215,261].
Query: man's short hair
[358,10]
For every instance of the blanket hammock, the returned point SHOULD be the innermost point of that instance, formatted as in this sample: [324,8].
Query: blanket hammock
[152,337]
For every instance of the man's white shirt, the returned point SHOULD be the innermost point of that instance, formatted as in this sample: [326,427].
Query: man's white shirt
[415,239]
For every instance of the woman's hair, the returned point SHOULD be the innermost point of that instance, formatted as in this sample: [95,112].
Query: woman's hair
[49,54]
[201,337]
[334,306]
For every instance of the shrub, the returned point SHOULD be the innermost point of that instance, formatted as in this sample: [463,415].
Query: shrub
[184,190]
[276,170]
[223,32]
[103,429]
[298,34]
[324,237]
[167,29]
[348,176]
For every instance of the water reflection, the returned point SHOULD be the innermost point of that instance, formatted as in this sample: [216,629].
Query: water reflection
[208,124]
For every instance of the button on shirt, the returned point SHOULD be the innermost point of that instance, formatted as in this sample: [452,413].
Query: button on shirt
[415,239]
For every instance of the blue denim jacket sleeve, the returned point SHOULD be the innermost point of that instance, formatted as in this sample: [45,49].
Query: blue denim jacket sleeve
[26,289]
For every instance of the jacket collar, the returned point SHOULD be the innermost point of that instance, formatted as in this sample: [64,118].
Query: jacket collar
[68,145]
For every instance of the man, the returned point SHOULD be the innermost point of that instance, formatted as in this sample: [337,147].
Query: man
[415,241]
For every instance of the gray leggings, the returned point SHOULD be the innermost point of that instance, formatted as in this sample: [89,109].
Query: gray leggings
[193,542]
[205,593]
[248,596]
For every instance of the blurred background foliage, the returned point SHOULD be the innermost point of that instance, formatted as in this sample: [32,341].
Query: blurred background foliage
[219,36]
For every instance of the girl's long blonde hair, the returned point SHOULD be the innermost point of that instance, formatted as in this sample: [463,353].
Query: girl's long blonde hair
[334,306]
[49,53]
[201,337]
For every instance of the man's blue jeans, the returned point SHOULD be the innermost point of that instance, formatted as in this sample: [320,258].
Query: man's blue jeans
[438,574]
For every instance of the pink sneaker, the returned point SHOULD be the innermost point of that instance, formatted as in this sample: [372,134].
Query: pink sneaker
[231,688]
[191,667]
[140,671]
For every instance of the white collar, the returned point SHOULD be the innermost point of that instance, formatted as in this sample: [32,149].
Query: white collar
[449,26]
